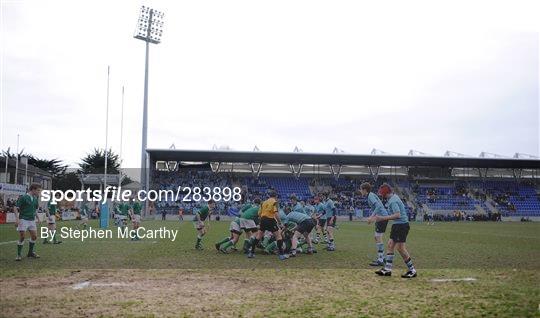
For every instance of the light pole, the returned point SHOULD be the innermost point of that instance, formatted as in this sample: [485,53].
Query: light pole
[104,210]
[149,29]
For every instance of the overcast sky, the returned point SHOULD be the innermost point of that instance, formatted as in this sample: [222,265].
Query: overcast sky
[277,74]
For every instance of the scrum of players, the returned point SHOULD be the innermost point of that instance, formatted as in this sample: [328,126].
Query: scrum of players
[295,228]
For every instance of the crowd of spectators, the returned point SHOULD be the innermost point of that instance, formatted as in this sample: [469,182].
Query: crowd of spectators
[462,195]
[457,216]
[165,180]
[8,206]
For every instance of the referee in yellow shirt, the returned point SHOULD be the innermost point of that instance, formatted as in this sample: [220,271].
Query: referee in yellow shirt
[269,221]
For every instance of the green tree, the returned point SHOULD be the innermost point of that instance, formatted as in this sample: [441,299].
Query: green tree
[67,181]
[53,166]
[94,162]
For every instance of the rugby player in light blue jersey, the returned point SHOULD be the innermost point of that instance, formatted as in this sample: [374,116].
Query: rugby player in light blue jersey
[309,208]
[304,225]
[377,208]
[331,216]
[321,223]
[398,233]
[296,206]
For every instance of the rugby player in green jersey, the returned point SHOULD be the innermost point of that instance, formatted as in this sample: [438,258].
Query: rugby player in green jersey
[135,213]
[230,241]
[25,219]
[51,223]
[247,222]
[234,229]
[83,215]
[122,213]
[199,223]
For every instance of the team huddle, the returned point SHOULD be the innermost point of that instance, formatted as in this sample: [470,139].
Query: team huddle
[267,227]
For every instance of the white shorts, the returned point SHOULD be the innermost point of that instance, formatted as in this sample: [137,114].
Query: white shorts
[51,219]
[198,224]
[234,227]
[136,218]
[26,225]
[84,218]
[121,217]
[247,224]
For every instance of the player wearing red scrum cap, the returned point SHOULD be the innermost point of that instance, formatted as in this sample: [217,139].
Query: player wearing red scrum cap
[398,233]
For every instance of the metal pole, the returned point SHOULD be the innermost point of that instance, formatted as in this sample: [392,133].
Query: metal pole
[104,208]
[147,186]
[17,161]
[145,110]
[107,128]
[121,138]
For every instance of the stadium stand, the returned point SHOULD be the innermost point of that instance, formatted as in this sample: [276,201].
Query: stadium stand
[454,199]
[512,198]
[445,198]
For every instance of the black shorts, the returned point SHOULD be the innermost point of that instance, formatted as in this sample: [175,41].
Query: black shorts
[399,232]
[331,221]
[380,227]
[321,222]
[306,226]
[268,224]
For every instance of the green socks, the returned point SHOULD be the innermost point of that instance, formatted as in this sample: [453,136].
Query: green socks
[271,247]
[225,240]
[31,247]
[227,245]
[19,248]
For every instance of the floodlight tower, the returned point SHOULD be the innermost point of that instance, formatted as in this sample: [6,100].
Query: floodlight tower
[149,29]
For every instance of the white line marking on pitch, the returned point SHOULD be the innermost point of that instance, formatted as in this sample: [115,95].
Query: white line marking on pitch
[88,284]
[10,242]
[444,280]
[81,285]
[109,284]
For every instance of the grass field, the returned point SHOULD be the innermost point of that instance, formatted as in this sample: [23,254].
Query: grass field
[154,277]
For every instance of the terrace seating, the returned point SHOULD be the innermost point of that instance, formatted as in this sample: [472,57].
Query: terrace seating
[511,198]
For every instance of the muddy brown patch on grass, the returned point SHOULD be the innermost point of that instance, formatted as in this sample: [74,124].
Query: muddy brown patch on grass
[129,292]
[261,293]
